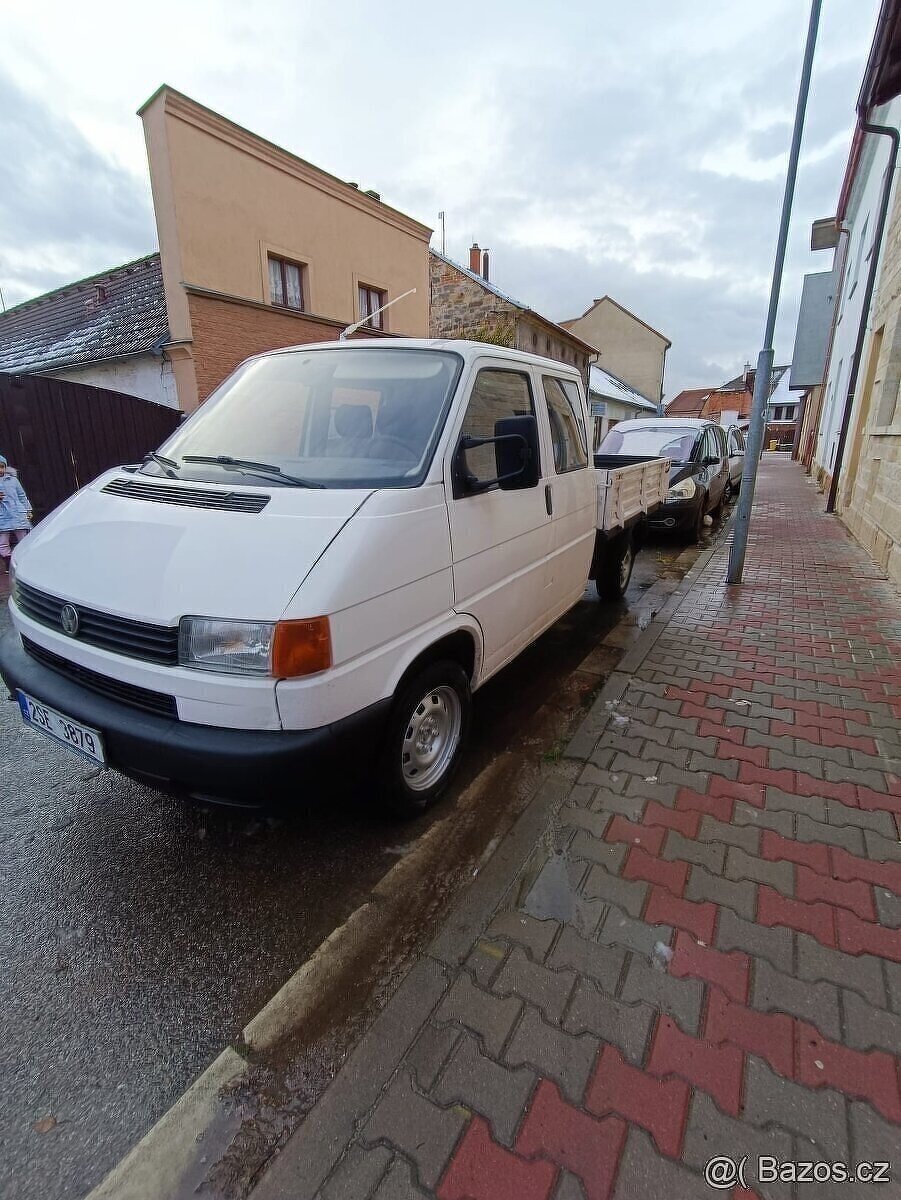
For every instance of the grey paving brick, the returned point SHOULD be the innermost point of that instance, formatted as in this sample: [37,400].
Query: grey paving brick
[484,960]
[357,1173]
[663,793]
[629,765]
[569,1187]
[548,989]
[561,1056]
[594,777]
[698,779]
[580,795]
[776,991]
[857,775]
[675,755]
[626,893]
[739,895]
[430,1051]
[606,803]
[867,1027]
[805,751]
[485,1014]
[619,929]
[778,760]
[861,972]
[398,1184]
[651,733]
[818,1115]
[715,766]
[592,849]
[754,710]
[712,830]
[621,741]
[836,835]
[844,814]
[682,849]
[690,741]
[555,894]
[710,1133]
[592,822]
[602,757]
[810,806]
[762,818]
[888,906]
[625,1025]
[586,957]
[893,983]
[515,926]
[668,720]
[645,1173]
[425,1132]
[779,875]
[499,1093]
[774,945]
[881,848]
[874,1140]
[756,737]
[678,998]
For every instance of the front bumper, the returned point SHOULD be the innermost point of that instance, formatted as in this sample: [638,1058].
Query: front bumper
[677,515]
[236,766]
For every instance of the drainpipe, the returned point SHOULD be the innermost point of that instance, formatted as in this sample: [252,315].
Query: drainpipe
[891,133]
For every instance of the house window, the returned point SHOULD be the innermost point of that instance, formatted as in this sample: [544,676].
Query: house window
[285,283]
[372,299]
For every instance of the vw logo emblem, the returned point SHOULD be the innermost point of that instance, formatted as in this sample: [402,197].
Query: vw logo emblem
[69,620]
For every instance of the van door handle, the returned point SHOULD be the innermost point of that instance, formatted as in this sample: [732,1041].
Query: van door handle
[548,500]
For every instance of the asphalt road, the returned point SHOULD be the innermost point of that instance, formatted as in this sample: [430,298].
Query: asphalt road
[140,933]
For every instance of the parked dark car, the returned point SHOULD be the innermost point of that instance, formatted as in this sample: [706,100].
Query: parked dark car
[735,448]
[699,475]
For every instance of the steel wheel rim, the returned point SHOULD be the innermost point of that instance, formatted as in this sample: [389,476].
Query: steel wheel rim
[625,568]
[431,738]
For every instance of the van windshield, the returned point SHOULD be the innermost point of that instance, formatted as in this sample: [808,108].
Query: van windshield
[338,418]
[676,443]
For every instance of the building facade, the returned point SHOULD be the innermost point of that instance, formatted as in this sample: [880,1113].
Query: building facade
[260,249]
[465,304]
[611,400]
[629,348]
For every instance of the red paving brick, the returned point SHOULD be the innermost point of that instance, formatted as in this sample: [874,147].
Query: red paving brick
[658,1105]
[482,1170]
[714,1068]
[728,971]
[670,875]
[699,918]
[570,1138]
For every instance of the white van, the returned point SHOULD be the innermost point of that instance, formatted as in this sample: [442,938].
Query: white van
[314,572]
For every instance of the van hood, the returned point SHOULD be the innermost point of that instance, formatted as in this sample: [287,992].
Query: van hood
[159,562]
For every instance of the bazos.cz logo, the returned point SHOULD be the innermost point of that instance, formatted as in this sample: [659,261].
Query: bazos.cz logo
[722,1172]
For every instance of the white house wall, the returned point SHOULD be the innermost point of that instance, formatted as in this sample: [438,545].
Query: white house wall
[146,375]
[860,221]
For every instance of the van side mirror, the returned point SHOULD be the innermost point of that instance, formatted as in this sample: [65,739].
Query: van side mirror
[516,456]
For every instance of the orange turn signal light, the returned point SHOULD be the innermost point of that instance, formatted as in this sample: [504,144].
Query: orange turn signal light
[301,648]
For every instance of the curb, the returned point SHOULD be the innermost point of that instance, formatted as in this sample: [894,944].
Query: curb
[180,1150]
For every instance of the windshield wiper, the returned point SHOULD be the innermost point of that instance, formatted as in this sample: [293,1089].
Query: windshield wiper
[168,465]
[248,467]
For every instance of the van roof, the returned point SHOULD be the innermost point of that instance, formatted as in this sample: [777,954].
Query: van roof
[469,350]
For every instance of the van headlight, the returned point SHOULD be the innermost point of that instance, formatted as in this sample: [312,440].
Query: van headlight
[281,649]
[683,490]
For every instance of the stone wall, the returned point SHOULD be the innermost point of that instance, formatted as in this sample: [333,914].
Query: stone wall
[870,490]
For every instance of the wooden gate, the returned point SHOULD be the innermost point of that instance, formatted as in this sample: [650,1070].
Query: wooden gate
[60,435]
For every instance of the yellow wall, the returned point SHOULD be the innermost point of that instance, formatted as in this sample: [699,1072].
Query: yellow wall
[628,348]
[224,199]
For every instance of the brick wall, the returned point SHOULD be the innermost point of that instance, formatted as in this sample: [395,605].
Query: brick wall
[228,331]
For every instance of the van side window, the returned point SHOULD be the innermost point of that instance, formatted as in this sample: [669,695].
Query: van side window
[736,442]
[496,394]
[567,431]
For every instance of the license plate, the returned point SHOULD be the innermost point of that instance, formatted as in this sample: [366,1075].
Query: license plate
[80,738]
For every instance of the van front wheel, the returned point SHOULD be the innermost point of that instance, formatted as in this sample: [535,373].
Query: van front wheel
[427,730]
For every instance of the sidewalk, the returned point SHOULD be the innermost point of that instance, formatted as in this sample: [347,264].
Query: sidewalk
[689,944]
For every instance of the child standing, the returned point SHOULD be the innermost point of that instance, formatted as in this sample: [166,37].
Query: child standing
[15,513]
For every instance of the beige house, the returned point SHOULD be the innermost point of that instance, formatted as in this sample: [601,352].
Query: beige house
[260,249]
[629,347]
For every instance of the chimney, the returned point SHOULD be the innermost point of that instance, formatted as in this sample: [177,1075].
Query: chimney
[475,259]
[485,265]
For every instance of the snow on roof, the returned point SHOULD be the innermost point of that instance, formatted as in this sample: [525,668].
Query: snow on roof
[114,314]
[605,383]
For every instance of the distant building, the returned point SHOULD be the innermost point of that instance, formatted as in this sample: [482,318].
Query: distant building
[730,404]
[109,330]
[466,304]
[612,400]
[629,348]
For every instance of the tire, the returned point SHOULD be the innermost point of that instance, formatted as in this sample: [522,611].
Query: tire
[426,733]
[692,535]
[616,572]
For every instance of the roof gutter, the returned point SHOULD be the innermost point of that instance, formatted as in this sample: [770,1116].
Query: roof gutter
[864,127]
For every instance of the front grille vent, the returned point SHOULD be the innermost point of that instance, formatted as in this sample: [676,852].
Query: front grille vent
[187,497]
[120,635]
[126,693]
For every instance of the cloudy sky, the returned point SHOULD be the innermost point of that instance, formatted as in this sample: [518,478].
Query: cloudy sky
[636,148]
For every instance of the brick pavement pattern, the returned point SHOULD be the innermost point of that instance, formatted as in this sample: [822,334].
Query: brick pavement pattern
[702,955]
